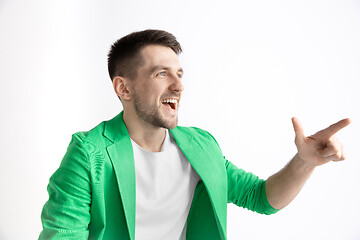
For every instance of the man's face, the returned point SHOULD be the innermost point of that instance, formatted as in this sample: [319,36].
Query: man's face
[157,89]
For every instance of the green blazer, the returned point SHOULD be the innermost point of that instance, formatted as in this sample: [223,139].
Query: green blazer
[92,194]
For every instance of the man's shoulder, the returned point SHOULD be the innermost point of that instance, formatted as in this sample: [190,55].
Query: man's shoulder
[195,132]
[109,129]
[93,135]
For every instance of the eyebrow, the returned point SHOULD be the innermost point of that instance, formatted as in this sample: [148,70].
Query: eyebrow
[159,67]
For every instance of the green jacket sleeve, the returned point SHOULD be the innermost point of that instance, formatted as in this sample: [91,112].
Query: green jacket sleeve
[66,215]
[247,190]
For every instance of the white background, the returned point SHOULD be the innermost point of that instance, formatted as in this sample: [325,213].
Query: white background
[249,67]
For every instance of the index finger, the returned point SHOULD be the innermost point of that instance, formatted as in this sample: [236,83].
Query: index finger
[334,128]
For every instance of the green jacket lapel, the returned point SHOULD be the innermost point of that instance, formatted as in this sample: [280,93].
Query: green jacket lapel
[122,158]
[200,157]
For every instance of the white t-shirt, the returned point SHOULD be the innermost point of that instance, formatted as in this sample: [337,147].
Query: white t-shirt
[165,184]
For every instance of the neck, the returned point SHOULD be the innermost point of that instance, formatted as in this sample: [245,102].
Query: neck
[147,136]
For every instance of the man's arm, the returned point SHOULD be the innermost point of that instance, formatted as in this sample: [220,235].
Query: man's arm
[313,151]
[66,215]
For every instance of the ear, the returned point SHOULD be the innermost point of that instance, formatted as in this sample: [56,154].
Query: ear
[121,87]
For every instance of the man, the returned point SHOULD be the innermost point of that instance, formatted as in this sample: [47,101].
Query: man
[140,176]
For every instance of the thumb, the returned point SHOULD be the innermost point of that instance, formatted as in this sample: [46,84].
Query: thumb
[299,131]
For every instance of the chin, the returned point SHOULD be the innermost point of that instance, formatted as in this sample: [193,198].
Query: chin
[170,124]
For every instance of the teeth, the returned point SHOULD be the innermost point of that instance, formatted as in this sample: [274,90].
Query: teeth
[169,100]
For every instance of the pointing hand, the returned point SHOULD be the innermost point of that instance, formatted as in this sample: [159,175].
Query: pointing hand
[323,146]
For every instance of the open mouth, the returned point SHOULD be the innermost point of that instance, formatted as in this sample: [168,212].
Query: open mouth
[171,103]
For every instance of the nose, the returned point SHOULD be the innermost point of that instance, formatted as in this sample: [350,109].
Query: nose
[176,85]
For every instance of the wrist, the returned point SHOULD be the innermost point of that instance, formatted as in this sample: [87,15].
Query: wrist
[303,164]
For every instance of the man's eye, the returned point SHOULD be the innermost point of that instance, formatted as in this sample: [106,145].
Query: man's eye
[161,74]
[179,75]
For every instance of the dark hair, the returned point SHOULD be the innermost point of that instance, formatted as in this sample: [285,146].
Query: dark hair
[124,57]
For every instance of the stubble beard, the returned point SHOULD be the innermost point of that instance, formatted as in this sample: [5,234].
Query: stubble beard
[152,115]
